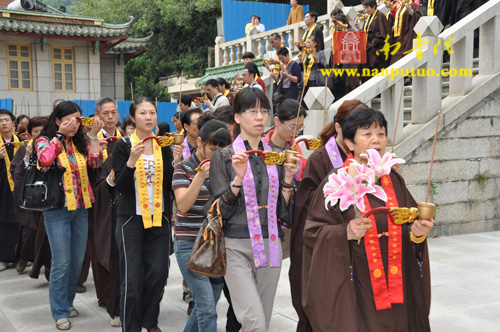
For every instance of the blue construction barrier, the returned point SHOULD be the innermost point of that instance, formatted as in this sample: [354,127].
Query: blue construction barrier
[6,104]
[236,14]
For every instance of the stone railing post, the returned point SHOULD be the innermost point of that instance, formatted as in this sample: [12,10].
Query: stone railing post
[291,39]
[226,55]
[232,55]
[489,47]
[219,53]
[392,101]
[427,90]
[260,48]
[461,59]
[315,101]
[239,53]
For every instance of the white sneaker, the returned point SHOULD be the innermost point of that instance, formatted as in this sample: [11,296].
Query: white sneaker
[115,321]
[3,266]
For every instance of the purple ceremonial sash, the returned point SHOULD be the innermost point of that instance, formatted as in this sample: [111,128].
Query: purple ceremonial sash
[333,152]
[252,209]
[186,153]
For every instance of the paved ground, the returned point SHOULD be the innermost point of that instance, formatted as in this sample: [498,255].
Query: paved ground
[465,294]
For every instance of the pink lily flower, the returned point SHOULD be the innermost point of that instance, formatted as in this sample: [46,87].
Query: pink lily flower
[381,165]
[332,189]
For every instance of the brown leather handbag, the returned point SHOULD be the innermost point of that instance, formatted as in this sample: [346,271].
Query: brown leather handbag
[208,256]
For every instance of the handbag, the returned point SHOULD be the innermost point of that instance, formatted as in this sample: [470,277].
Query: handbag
[42,191]
[208,256]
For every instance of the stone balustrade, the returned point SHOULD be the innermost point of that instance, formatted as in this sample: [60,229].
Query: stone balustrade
[227,53]
[427,89]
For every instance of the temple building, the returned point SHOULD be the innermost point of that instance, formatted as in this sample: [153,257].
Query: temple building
[48,55]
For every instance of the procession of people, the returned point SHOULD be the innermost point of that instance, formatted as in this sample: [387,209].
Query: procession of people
[131,197]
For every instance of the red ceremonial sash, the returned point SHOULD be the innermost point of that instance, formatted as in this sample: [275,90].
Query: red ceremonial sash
[384,294]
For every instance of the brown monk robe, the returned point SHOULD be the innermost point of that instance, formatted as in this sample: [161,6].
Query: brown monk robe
[317,167]
[377,29]
[43,254]
[92,245]
[402,30]
[334,302]
[28,220]
[107,250]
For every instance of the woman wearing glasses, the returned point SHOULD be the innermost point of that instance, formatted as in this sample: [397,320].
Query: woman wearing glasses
[282,137]
[252,198]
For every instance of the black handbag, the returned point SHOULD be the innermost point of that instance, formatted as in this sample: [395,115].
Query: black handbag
[42,191]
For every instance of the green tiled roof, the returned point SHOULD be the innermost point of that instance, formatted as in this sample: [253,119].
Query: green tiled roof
[131,45]
[226,72]
[47,28]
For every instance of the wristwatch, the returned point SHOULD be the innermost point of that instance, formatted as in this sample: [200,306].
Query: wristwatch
[235,185]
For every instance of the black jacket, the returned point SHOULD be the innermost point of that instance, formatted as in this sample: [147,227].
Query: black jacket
[124,179]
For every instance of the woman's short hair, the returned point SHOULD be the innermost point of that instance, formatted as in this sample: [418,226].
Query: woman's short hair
[362,118]
[37,121]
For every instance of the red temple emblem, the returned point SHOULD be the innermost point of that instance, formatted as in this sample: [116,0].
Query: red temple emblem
[349,47]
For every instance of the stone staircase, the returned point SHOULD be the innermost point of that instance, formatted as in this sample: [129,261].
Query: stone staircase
[407,92]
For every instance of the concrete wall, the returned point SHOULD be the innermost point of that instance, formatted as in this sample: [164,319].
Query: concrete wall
[112,77]
[468,149]
[41,97]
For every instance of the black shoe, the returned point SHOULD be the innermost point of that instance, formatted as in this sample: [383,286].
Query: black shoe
[190,307]
[154,329]
[81,289]
[21,266]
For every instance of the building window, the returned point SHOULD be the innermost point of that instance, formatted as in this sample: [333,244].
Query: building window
[63,62]
[19,64]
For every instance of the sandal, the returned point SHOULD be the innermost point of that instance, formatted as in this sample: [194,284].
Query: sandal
[73,312]
[63,324]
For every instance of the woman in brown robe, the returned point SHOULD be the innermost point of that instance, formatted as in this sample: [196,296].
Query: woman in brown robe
[319,164]
[338,293]
[405,19]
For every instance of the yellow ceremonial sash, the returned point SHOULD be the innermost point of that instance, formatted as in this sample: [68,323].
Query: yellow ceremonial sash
[142,188]
[399,20]
[307,72]
[369,22]
[7,162]
[430,8]
[105,151]
[68,179]
[226,92]
[309,32]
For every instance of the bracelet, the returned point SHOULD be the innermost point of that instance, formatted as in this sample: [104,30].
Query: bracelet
[93,138]
[286,185]
[235,185]
[127,165]
[60,136]
[417,240]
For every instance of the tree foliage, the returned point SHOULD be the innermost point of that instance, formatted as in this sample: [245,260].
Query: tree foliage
[183,32]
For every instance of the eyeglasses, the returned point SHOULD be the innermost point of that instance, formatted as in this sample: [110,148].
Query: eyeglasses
[5,120]
[293,128]
[254,112]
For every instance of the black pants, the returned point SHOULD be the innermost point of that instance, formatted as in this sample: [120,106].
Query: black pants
[144,262]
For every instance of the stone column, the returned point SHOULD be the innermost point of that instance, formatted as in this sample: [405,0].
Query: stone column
[427,90]
[219,52]
[315,101]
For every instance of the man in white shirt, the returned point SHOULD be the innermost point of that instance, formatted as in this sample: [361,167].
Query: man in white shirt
[218,99]
[258,25]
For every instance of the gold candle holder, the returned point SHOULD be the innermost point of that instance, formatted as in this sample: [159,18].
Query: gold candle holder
[288,156]
[178,139]
[426,210]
